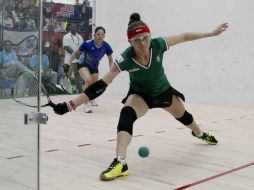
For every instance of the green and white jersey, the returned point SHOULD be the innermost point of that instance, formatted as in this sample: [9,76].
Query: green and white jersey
[149,79]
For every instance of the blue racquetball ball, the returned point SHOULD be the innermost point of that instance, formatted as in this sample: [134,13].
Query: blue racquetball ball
[143,151]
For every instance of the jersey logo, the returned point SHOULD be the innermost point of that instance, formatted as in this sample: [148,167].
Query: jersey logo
[134,70]
[139,30]
[158,59]
[119,59]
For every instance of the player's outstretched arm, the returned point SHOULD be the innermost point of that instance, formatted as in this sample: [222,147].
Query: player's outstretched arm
[190,36]
[74,55]
[92,92]
[110,60]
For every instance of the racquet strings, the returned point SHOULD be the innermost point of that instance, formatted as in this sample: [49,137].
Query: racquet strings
[25,90]
[66,84]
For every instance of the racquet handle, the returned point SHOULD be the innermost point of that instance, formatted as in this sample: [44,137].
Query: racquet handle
[51,104]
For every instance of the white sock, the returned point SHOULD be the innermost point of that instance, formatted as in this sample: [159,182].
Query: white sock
[199,135]
[121,159]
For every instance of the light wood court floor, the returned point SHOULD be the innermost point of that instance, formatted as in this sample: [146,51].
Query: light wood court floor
[77,147]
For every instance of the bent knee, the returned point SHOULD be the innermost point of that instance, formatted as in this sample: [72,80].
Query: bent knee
[88,81]
[127,118]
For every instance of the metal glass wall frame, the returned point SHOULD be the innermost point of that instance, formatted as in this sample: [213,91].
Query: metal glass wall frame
[19,143]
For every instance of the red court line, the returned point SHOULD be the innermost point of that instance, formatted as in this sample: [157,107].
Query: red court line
[81,145]
[160,131]
[112,140]
[84,145]
[9,158]
[53,150]
[137,135]
[213,177]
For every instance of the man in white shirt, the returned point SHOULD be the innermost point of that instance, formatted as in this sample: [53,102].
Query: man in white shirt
[71,43]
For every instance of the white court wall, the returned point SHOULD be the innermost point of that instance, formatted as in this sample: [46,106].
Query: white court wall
[217,70]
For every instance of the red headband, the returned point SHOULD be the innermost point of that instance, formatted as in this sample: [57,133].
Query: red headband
[138,30]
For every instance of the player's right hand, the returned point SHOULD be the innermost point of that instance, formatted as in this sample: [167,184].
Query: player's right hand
[66,67]
[61,108]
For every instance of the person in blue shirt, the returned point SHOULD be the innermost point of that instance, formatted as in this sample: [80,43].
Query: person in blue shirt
[90,53]
[9,63]
[46,72]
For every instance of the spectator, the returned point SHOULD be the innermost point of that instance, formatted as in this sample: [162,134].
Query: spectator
[30,23]
[52,44]
[9,5]
[86,3]
[71,43]
[86,15]
[22,24]
[35,14]
[16,19]
[60,26]
[77,2]
[8,21]
[10,65]
[46,22]
[46,73]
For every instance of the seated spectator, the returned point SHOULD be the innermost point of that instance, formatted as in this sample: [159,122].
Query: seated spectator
[34,12]
[8,21]
[47,73]
[16,19]
[8,5]
[60,27]
[30,23]
[22,24]
[10,66]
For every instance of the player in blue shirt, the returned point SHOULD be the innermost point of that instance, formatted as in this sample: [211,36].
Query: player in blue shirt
[90,53]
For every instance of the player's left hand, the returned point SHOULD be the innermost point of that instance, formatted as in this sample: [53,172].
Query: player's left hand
[221,28]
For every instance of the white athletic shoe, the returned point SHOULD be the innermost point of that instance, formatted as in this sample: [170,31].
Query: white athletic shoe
[88,108]
[93,103]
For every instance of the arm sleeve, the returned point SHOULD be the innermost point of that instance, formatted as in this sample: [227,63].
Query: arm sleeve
[81,39]
[15,56]
[83,47]
[33,63]
[109,50]
[120,63]
[65,41]
[162,44]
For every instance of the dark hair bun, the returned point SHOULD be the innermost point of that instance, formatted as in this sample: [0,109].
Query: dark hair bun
[134,17]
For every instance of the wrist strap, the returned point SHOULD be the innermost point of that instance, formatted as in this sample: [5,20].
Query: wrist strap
[71,106]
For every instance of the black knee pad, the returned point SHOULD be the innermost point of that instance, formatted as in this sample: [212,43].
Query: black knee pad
[186,119]
[96,89]
[127,117]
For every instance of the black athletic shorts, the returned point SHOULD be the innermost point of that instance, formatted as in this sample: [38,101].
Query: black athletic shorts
[161,101]
[84,64]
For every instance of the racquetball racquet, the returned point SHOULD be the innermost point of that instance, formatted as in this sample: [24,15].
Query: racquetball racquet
[25,91]
[66,84]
